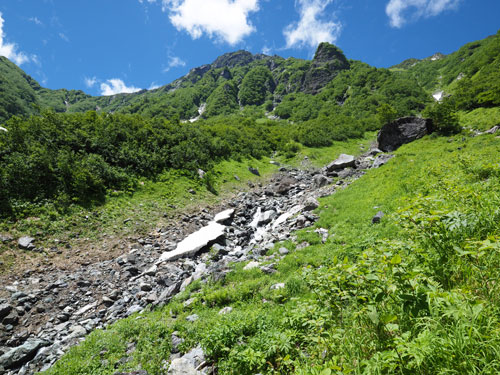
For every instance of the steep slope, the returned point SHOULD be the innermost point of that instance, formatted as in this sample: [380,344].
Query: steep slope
[472,73]
[343,295]
[182,98]
[17,91]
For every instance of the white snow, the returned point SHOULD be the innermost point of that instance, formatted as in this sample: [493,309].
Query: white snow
[255,222]
[194,242]
[438,95]
[224,215]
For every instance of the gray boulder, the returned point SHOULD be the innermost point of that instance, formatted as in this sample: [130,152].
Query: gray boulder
[26,243]
[320,180]
[311,204]
[343,161]
[401,131]
[5,238]
[381,160]
[16,357]
[188,364]
[181,366]
[378,216]
[254,171]
[5,309]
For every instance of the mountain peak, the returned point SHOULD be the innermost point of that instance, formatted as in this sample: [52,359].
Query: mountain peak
[327,52]
[233,59]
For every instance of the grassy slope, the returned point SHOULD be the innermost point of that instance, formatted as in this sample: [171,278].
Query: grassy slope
[480,119]
[391,306]
[150,207]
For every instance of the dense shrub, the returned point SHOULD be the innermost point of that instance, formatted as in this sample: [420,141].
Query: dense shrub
[445,120]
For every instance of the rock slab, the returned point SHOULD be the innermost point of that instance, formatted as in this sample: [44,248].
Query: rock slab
[26,242]
[16,357]
[401,131]
[343,161]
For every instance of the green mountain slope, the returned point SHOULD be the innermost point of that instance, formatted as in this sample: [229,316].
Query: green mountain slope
[415,294]
[66,157]
[17,91]
[471,73]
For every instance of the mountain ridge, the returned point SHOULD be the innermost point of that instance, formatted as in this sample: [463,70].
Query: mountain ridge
[182,98]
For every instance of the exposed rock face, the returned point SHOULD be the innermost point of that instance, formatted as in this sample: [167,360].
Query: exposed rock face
[327,62]
[403,130]
[233,59]
[330,54]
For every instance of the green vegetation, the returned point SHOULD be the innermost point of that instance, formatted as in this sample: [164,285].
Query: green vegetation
[17,91]
[471,75]
[256,87]
[480,119]
[445,119]
[413,295]
[82,157]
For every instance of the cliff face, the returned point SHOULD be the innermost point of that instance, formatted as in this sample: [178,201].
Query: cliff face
[328,61]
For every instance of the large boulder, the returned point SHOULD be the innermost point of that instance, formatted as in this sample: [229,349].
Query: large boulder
[26,243]
[401,131]
[16,357]
[343,161]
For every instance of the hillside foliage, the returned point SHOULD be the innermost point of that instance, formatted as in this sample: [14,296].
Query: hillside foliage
[415,294]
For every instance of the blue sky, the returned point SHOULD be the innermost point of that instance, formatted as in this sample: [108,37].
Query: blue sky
[108,46]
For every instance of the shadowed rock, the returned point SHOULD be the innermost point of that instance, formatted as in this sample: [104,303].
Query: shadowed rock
[404,130]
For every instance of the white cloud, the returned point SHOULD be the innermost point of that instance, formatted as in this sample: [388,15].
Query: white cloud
[154,86]
[116,86]
[64,37]
[9,50]
[174,62]
[226,20]
[267,50]
[311,30]
[36,21]
[90,81]
[399,10]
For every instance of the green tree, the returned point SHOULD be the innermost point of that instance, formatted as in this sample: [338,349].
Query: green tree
[255,86]
[444,117]
[386,113]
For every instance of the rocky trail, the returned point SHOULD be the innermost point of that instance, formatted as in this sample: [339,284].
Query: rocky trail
[44,313]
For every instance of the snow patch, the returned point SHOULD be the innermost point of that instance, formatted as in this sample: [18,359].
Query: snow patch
[438,95]
[195,242]
[201,110]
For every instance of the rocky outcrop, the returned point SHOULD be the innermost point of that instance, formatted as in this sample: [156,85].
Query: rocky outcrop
[18,356]
[233,59]
[403,130]
[328,61]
